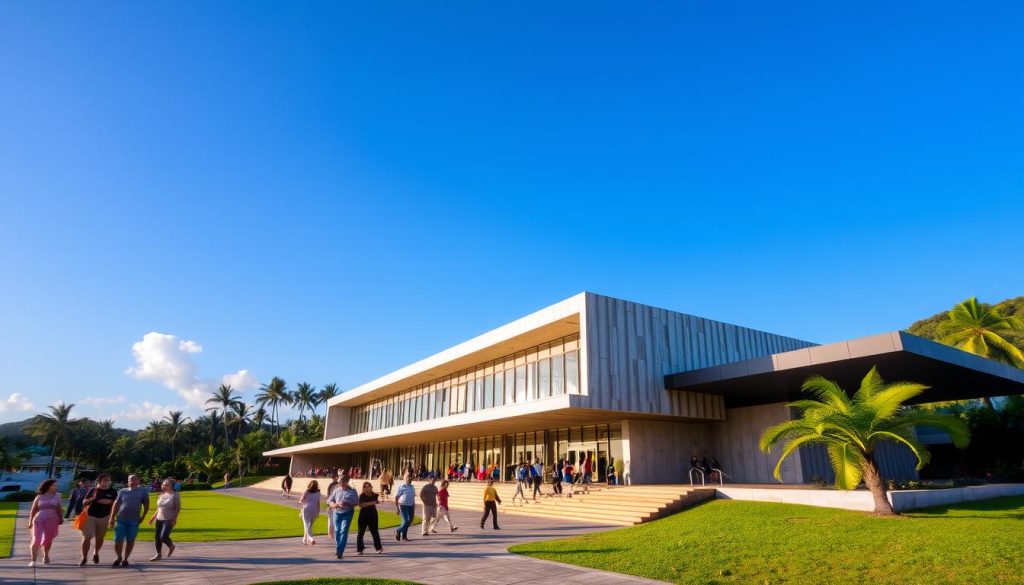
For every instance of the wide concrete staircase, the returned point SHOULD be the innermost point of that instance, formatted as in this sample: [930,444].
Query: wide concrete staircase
[620,505]
[601,504]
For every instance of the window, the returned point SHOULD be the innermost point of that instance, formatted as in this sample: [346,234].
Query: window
[557,375]
[572,372]
[499,389]
[520,384]
[489,391]
[531,381]
[510,386]
[544,378]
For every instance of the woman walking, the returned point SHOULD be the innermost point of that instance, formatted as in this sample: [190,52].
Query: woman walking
[442,509]
[309,511]
[386,481]
[168,506]
[491,501]
[44,517]
[368,518]
[97,510]
[521,475]
[286,486]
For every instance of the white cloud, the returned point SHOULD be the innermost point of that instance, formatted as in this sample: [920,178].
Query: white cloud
[98,401]
[146,411]
[16,402]
[167,360]
[241,380]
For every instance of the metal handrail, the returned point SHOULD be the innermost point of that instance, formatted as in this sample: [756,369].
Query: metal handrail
[700,471]
[721,475]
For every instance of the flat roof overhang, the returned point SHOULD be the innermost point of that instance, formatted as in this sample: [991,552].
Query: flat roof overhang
[952,374]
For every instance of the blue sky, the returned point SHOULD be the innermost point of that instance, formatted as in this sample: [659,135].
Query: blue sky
[326,192]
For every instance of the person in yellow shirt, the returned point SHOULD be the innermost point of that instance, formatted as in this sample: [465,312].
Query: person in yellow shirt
[491,501]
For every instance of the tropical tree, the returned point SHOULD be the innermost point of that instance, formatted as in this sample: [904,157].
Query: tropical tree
[207,462]
[259,417]
[305,397]
[274,395]
[10,455]
[52,427]
[979,328]
[223,399]
[851,428]
[241,418]
[175,423]
[326,393]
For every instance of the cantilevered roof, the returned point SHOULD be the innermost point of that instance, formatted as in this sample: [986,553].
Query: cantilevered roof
[952,374]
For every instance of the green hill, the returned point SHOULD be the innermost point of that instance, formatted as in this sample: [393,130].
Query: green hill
[928,328]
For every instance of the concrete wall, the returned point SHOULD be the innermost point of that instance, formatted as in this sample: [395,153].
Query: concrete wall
[895,461]
[734,442]
[659,451]
[338,423]
[862,501]
[630,348]
[301,462]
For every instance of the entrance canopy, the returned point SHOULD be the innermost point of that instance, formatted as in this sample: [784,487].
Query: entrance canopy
[951,373]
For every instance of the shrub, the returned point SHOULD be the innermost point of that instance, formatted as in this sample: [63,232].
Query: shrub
[190,487]
[22,496]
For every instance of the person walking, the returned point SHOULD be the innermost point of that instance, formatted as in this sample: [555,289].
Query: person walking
[491,501]
[556,480]
[77,495]
[44,518]
[588,469]
[428,497]
[405,505]
[330,513]
[227,482]
[343,501]
[168,506]
[442,509]
[368,519]
[129,508]
[97,505]
[567,476]
[521,475]
[286,486]
[536,476]
[386,480]
[309,510]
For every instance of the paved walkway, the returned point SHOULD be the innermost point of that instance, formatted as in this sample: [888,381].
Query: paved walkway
[468,556]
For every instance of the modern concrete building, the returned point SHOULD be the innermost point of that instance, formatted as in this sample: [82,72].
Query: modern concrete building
[613,379]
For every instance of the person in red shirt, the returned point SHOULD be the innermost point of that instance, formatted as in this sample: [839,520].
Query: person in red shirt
[442,509]
[588,469]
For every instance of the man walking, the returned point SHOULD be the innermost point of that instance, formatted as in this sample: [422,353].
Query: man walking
[442,509]
[428,496]
[491,501]
[128,509]
[405,504]
[342,501]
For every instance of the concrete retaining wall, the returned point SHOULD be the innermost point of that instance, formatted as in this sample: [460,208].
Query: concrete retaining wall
[861,499]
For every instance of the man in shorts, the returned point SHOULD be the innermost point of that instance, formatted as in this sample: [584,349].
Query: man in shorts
[130,507]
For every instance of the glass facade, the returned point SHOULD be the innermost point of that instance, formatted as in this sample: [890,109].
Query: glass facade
[603,443]
[547,370]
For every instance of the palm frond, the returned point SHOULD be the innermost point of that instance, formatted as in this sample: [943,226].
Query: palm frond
[846,462]
[827,391]
[889,400]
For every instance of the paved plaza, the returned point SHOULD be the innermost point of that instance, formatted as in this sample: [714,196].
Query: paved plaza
[470,555]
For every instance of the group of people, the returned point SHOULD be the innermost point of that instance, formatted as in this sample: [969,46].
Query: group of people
[95,509]
[710,470]
[343,500]
[328,472]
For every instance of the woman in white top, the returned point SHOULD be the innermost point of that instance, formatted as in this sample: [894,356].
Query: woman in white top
[310,502]
[168,505]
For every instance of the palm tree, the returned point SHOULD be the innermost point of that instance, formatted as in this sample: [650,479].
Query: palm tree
[850,429]
[326,393]
[241,417]
[175,421]
[305,396]
[273,395]
[53,427]
[224,398]
[980,329]
[151,438]
[259,417]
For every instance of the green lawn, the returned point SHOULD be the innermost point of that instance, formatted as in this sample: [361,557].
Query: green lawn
[340,581]
[209,516]
[244,482]
[8,513]
[745,542]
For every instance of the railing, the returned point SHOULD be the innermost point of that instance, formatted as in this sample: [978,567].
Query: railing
[700,473]
[721,475]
